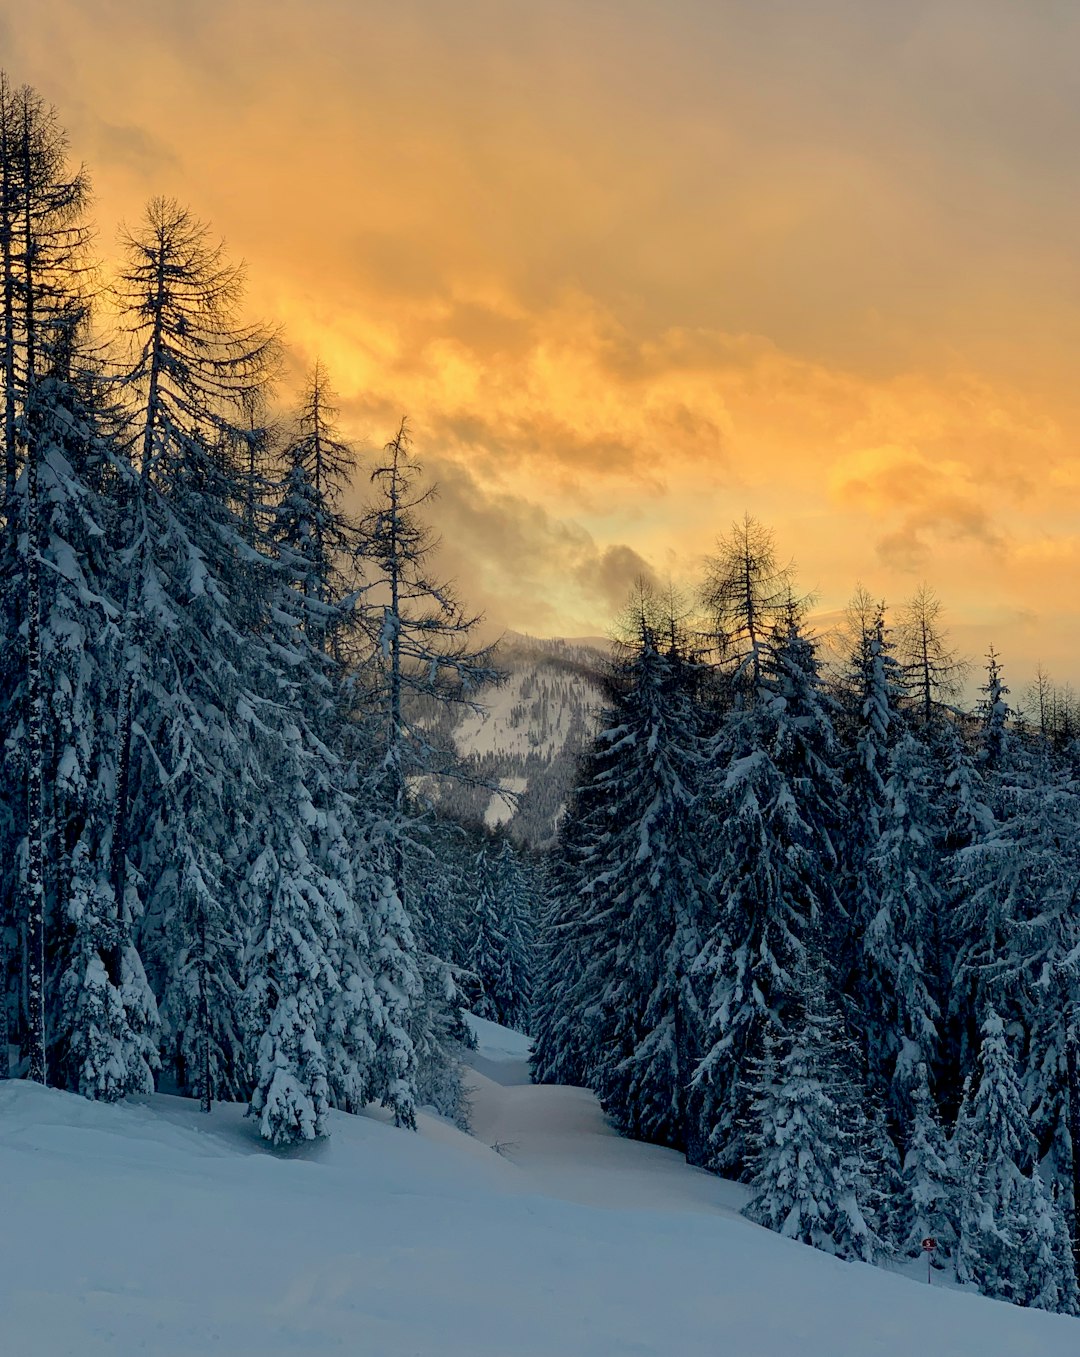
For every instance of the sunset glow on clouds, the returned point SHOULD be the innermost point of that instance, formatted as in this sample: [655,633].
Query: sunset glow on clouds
[634,268]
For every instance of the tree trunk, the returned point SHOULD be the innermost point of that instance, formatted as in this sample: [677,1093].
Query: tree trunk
[35,697]
[686,1059]
[204,1015]
[5,1034]
[35,807]
[132,605]
[7,238]
[1073,1060]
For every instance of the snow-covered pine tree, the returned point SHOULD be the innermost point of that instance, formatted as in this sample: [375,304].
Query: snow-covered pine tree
[931,1177]
[1051,1274]
[330,970]
[774,797]
[382,956]
[1019,930]
[566,980]
[966,796]
[803,1137]
[187,774]
[1010,1244]
[517,894]
[440,873]
[870,688]
[442,891]
[91,1018]
[290,976]
[876,1160]
[994,713]
[415,646]
[902,940]
[103,1030]
[646,888]
[498,958]
[40,223]
[311,528]
[488,944]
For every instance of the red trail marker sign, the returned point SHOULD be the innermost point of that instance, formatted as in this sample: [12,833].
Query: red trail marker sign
[929,1244]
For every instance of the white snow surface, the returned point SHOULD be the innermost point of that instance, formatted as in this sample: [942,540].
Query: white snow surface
[531,713]
[149,1228]
[500,809]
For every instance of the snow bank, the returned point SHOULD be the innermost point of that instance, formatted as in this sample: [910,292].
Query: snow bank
[152,1229]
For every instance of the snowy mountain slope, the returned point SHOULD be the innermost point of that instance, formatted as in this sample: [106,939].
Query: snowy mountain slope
[530,731]
[152,1229]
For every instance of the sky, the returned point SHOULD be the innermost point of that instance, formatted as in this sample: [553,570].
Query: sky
[636,267]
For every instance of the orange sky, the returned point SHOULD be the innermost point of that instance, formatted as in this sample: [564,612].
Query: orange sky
[634,268]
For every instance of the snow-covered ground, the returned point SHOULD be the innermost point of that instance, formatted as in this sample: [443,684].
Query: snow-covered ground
[152,1229]
[500,809]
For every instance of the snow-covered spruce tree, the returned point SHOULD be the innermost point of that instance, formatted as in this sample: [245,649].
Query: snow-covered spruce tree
[902,941]
[994,713]
[187,775]
[103,1037]
[893,966]
[442,889]
[498,960]
[415,646]
[382,958]
[933,673]
[488,944]
[311,527]
[289,969]
[440,870]
[647,891]
[870,688]
[567,977]
[330,977]
[85,975]
[774,797]
[803,1133]
[931,1177]
[330,973]
[967,779]
[877,1162]
[1018,932]
[1012,1240]
[40,234]
[517,892]
[296,886]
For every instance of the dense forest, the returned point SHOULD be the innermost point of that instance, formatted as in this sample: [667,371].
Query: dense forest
[817,926]
[806,918]
[214,876]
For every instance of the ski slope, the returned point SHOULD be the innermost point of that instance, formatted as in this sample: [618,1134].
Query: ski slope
[152,1229]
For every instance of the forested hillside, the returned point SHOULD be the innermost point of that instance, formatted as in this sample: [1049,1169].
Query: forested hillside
[527,736]
[820,931]
[213,874]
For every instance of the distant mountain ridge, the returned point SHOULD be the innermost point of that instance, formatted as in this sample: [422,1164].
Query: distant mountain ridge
[530,733]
